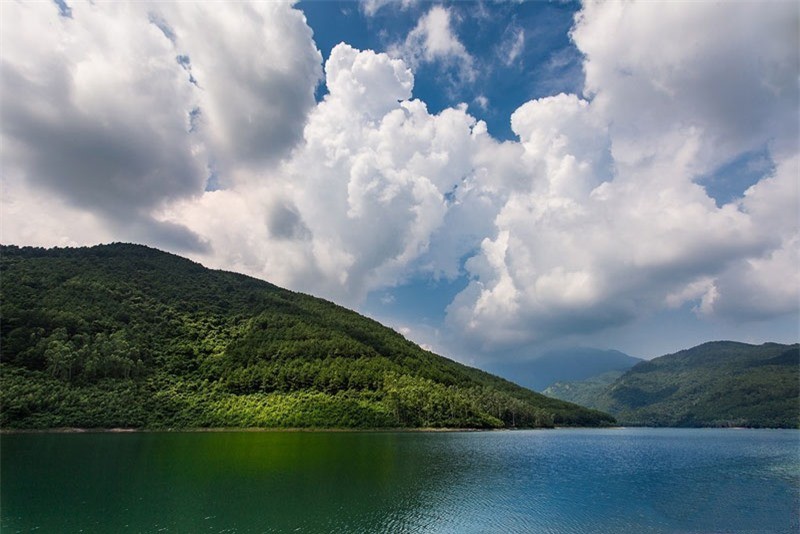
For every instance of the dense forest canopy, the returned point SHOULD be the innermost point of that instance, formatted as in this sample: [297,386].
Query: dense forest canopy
[128,336]
[721,383]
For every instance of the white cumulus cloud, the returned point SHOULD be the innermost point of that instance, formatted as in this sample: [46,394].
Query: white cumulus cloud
[361,198]
[608,223]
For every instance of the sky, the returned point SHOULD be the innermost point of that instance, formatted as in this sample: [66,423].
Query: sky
[492,179]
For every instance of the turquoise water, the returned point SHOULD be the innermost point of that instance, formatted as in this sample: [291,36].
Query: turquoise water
[616,480]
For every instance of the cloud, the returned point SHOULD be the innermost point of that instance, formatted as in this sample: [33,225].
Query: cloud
[257,67]
[371,7]
[25,222]
[482,102]
[433,41]
[609,223]
[252,229]
[731,83]
[119,109]
[361,199]
[764,286]
[365,83]
[512,45]
[95,109]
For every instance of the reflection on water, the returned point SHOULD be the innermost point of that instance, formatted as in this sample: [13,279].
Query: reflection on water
[228,481]
[622,480]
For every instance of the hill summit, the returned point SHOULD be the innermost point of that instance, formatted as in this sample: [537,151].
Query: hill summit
[124,335]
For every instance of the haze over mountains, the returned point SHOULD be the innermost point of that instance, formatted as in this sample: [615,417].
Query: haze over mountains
[564,365]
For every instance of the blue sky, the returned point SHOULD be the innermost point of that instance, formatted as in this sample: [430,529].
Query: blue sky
[492,179]
[546,63]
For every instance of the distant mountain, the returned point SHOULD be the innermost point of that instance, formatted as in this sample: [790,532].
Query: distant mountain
[565,365]
[722,383]
[128,336]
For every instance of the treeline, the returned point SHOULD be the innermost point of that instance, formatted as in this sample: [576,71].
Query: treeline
[125,335]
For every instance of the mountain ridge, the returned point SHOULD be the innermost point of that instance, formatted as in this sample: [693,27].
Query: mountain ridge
[717,383]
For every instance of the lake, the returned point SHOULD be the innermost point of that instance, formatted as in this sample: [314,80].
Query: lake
[552,481]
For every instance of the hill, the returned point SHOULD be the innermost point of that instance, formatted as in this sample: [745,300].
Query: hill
[564,365]
[127,336]
[721,383]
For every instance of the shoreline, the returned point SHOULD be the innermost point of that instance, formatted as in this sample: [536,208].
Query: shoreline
[76,430]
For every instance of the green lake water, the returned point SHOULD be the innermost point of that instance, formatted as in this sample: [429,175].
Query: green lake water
[615,480]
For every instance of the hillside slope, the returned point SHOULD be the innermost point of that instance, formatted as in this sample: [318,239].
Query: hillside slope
[721,383]
[128,336]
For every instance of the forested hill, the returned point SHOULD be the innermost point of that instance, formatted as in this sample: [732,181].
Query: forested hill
[721,383]
[127,336]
